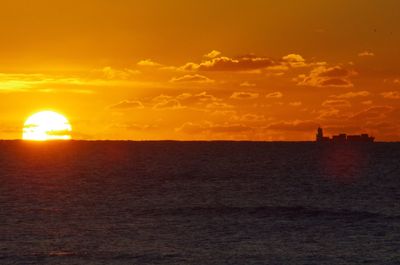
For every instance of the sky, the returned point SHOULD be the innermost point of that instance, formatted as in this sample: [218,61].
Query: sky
[202,70]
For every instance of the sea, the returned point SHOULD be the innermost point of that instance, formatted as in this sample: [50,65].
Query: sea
[126,202]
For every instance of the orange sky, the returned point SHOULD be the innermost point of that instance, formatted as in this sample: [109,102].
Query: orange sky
[193,70]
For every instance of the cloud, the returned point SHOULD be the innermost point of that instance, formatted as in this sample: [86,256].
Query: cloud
[249,118]
[168,104]
[323,76]
[277,70]
[395,81]
[11,82]
[213,54]
[247,84]
[366,54]
[191,128]
[331,113]
[352,94]
[218,105]
[334,72]
[294,60]
[230,128]
[192,79]
[391,94]
[226,64]
[149,63]
[274,95]
[111,73]
[205,97]
[127,104]
[367,102]
[249,63]
[293,126]
[134,127]
[200,101]
[389,126]
[349,129]
[163,102]
[374,112]
[198,98]
[244,95]
[336,103]
[76,91]
[10,128]
[208,127]
[336,82]
[296,104]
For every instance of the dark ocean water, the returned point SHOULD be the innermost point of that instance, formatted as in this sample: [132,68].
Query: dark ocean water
[199,203]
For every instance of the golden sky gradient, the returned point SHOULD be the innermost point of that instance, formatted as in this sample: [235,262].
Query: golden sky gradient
[194,70]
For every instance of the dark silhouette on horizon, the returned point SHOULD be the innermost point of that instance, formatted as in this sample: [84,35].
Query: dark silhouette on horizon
[343,138]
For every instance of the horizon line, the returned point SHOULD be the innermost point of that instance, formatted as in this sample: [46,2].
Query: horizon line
[169,140]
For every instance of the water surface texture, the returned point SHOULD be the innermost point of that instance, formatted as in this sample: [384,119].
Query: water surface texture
[199,203]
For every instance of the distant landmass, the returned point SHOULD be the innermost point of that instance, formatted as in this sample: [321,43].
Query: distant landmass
[343,138]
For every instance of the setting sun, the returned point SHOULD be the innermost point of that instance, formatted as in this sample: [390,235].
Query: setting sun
[47,125]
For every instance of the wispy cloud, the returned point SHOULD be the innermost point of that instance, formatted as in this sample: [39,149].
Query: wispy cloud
[276,94]
[336,103]
[391,94]
[196,78]
[149,63]
[352,94]
[323,76]
[366,54]
[244,95]
[10,82]
[213,54]
[127,104]
[227,64]
[294,60]
[297,125]
[247,84]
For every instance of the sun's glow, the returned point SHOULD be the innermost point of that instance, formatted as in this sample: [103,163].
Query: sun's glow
[47,125]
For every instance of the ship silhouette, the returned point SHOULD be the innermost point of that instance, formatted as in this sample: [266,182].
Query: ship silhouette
[343,138]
